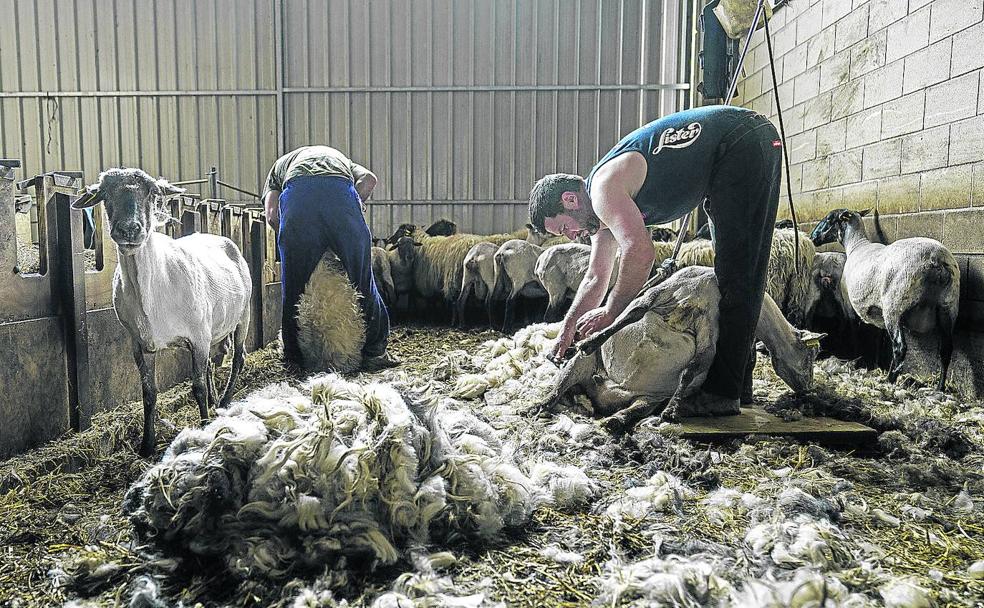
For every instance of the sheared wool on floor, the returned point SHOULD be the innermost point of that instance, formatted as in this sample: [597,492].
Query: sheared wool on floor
[289,479]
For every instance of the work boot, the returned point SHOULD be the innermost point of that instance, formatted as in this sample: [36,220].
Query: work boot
[383,361]
[700,403]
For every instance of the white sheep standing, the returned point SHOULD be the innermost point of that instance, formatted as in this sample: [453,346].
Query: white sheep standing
[560,270]
[912,284]
[478,276]
[193,291]
[515,276]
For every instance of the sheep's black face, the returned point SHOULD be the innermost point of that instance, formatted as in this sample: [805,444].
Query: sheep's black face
[406,247]
[829,229]
[130,196]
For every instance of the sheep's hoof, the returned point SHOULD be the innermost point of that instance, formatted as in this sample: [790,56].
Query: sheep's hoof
[671,413]
[911,383]
[589,346]
[614,425]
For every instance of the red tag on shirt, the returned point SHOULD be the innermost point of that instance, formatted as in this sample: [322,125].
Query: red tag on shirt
[777,143]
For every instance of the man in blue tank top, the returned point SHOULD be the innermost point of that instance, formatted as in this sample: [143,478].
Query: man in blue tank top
[656,174]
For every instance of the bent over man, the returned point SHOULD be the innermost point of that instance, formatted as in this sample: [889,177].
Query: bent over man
[656,174]
[313,199]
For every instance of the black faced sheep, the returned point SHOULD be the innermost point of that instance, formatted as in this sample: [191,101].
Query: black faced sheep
[193,291]
[912,284]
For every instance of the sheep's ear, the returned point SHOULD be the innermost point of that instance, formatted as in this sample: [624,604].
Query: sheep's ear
[167,189]
[89,198]
[864,212]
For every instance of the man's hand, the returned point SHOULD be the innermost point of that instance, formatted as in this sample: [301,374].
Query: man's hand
[563,342]
[594,321]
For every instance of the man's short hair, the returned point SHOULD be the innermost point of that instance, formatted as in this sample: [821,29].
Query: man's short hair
[545,197]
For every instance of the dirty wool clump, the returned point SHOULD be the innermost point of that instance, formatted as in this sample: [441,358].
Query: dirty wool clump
[330,329]
[341,472]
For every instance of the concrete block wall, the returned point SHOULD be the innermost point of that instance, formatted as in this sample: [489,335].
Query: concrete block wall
[881,100]
[883,104]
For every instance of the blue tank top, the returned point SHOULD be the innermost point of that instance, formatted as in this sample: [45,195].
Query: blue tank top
[680,151]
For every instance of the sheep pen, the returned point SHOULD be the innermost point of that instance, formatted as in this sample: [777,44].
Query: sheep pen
[760,522]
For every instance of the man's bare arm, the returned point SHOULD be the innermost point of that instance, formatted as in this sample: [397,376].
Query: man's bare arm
[612,192]
[365,181]
[271,207]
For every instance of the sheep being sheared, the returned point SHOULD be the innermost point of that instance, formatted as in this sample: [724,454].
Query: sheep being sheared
[662,346]
[193,291]
[912,284]
[330,328]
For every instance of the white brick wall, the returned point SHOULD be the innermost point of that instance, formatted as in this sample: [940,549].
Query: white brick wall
[883,101]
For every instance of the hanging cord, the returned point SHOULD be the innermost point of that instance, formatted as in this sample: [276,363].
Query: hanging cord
[785,153]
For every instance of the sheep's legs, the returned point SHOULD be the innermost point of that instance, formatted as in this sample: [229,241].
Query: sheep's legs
[899,349]
[238,359]
[458,311]
[199,381]
[489,310]
[576,371]
[944,323]
[147,365]
[553,309]
[510,307]
[641,407]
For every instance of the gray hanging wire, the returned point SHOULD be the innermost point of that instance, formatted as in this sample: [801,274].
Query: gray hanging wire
[782,136]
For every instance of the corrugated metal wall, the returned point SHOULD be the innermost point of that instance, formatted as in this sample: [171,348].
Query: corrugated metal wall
[458,106]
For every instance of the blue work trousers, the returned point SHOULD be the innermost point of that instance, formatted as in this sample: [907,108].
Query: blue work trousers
[318,213]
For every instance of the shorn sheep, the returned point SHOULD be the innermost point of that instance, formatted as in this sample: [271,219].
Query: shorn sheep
[515,262]
[912,284]
[478,277]
[439,263]
[193,291]
[662,346]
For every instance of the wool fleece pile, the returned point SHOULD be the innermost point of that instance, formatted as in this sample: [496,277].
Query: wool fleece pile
[338,472]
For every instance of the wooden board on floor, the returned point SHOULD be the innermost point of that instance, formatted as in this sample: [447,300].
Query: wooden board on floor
[755,420]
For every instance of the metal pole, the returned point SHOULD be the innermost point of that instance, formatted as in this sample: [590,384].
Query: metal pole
[213,183]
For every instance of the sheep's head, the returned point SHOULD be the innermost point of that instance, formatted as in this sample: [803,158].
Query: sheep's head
[132,199]
[833,227]
[406,248]
[795,367]
[401,231]
[827,270]
[442,227]
[663,235]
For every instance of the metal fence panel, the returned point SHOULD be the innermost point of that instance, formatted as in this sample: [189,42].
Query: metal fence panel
[446,101]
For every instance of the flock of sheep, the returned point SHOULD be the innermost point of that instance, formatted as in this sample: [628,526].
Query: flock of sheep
[912,284]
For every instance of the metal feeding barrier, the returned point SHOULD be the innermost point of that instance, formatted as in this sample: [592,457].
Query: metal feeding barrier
[214,183]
